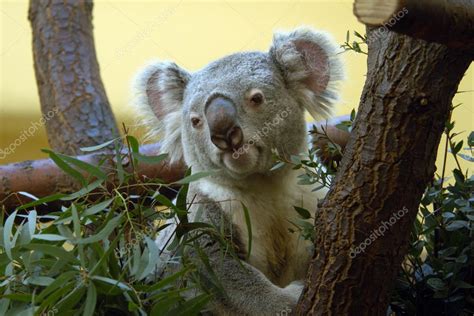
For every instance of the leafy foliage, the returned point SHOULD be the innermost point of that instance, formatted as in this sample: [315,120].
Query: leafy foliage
[354,44]
[98,256]
[437,277]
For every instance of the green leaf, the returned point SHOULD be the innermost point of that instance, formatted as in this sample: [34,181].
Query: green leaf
[249,228]
[91,169]
[55,251]
[153,257]
[32,222]
[162,307]
[59,282]
[7,232]
[192,306]
[134,145]
[44,200]
[160,285]
[194,177]
[163,200]
[458,176]
[49,237]
[455,225]
[463,285]
[113,282]
[457,147]
[18,297]
[104,233]
[436,283]
[277,166]
[53,297]
[470,139]
[64,166]
[4,303]
[353,115]
[91,300]
[88,188]
[70,300]
[76,221]
[97,208]
[185,227]
[101,146]
[149,159]
[304,213]
[39,280]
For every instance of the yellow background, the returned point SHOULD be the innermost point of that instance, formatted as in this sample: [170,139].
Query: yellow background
[192,33]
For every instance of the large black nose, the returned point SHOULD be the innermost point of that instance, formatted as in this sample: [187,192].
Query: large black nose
[221,116]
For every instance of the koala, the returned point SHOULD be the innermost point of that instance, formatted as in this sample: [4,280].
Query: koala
[232,116]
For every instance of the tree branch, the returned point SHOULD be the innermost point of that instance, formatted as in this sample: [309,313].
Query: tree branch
[448,22]
[73,100]
[42,177]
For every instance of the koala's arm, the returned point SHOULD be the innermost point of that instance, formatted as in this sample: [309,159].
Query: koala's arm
[247,290]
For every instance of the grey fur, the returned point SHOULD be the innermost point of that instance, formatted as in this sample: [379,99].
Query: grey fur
[300,72]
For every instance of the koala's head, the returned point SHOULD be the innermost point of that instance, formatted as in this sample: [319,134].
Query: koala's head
[231,114]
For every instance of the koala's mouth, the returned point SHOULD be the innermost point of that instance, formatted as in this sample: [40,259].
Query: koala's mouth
[243,161]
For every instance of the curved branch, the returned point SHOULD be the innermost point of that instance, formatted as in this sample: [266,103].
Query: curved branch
[73,100]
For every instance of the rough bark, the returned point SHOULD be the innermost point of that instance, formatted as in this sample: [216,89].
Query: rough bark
[389,160]
[73,99]
[42,177]
[448,22]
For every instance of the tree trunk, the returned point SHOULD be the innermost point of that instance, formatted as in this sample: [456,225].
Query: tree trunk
[363,226]
[73,99]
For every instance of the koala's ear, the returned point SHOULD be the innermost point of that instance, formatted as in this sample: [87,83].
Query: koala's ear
[158,95]
[311,66]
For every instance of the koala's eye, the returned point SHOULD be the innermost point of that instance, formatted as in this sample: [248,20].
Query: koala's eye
[256,97]
[195,121]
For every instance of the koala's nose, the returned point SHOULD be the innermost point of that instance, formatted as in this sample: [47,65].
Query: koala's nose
[221,116]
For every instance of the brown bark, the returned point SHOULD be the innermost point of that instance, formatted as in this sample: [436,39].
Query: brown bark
[448,22]
[42,177]
[389,160]
[72,95]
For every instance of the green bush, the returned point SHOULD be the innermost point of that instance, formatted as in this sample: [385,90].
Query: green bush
[97,256]
[437,277]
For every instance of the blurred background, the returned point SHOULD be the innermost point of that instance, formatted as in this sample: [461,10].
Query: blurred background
[191,33]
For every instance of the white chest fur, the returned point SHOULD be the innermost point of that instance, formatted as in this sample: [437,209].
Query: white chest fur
[281,255]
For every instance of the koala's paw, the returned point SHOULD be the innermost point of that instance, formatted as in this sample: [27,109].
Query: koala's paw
[291,294]
[295,288]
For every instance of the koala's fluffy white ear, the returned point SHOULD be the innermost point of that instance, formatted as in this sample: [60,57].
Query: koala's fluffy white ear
[311,66]
[158,95]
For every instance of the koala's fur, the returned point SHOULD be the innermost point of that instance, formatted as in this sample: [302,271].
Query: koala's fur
[299,73]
